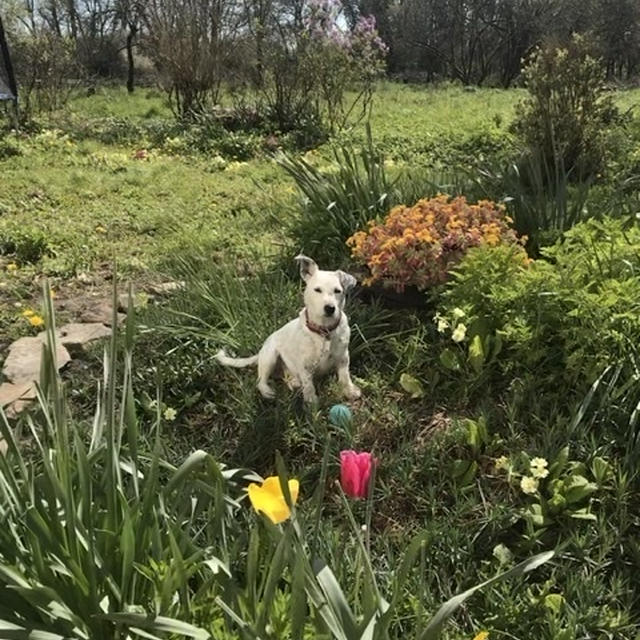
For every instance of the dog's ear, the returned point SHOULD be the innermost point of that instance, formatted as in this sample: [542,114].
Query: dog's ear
[347,280]
[307,266]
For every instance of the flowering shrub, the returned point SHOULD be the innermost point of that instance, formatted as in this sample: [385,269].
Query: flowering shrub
[342,60]
[418,245]
[319,73]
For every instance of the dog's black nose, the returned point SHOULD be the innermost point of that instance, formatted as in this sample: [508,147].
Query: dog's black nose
[329,309]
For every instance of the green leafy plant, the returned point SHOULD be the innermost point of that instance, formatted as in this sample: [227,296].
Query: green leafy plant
[475,346]
[99,539]
[556,490]
[560,318]
[338,203]
[474,438]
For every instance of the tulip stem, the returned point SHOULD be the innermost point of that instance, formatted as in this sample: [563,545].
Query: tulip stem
[358,532]
[320,493]
[369,509]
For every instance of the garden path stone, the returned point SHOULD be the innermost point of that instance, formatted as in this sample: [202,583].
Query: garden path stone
[99,310]
[25,355]
[76,335]
[123,302]
[10,393]
[167,288]
[16,408]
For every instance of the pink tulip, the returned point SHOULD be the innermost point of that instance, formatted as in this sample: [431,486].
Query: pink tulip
[355,473]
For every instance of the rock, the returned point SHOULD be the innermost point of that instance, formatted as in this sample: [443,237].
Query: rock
[84,278]
[85,309]
[9,393]
[123,301]
[101,311]
[76,335]
[16,408]
[25,355]
[166,288]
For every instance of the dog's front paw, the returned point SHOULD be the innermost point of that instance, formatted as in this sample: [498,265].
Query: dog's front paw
[353,392]
[266,391]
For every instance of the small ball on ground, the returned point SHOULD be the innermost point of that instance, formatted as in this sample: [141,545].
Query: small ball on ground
[340,415]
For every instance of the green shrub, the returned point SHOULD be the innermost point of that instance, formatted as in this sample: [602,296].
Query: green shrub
[27,243]
[567,117]
[238,146]
[562,318]
[9,148]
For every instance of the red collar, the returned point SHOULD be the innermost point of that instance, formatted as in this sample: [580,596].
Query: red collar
[325,332]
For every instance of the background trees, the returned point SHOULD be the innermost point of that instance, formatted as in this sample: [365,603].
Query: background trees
[194,47]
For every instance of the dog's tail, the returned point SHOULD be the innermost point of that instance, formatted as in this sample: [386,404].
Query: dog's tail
[238,363]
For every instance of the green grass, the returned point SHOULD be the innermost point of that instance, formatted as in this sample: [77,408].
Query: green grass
[423,112]
[116,102]
[68,208]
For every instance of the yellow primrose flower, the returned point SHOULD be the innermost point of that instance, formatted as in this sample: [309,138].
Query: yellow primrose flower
[459,333]
[269,499]
[12,266]
[36,320]
[27,313]
[502,463]
[529,485]
[483,635]
[539,468]
[170,414]
[458,313]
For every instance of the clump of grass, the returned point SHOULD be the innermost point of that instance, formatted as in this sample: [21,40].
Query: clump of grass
[357,189]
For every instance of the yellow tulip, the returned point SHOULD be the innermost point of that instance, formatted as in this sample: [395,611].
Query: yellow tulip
[269,499]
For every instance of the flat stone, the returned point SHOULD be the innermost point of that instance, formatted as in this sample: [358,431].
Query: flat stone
[123,301]
[16,408]
[166,288]
[87,309]
[25,356]
[76,335]
[9,392]
[101,311]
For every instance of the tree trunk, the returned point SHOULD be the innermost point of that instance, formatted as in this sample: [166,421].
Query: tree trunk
[73,19]
[4,55]
[133,29]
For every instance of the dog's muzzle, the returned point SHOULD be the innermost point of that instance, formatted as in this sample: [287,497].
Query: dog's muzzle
[329,310]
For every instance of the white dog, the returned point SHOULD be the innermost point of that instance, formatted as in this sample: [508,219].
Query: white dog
[316,342]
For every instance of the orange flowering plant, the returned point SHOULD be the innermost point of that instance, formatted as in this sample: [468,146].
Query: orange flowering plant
[418,245]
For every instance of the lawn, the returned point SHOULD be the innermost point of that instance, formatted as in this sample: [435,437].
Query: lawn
[111,182]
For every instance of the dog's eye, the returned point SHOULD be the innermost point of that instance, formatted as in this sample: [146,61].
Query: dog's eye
[318,290]
[337,291]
